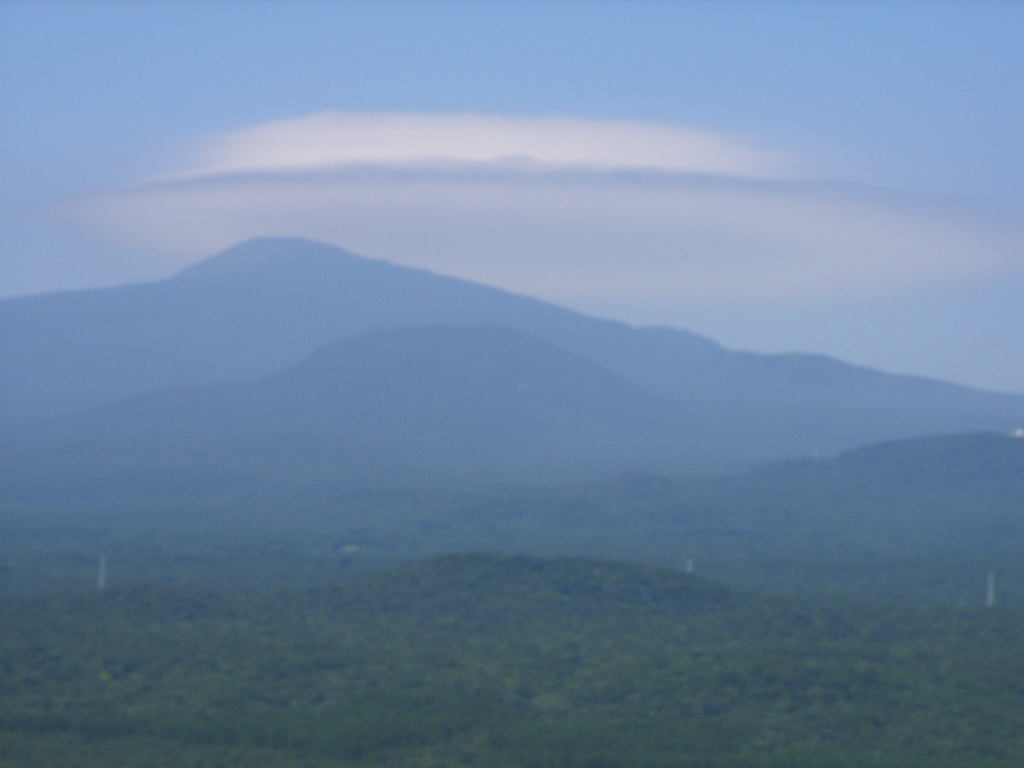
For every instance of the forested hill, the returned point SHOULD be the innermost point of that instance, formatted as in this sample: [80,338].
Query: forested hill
[506,661]
[929,494]
[922,519]
[926,518]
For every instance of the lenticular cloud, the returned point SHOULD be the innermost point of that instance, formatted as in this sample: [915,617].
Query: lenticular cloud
[562,208]
[333,140]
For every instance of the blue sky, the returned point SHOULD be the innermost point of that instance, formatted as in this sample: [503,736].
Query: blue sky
[902,120]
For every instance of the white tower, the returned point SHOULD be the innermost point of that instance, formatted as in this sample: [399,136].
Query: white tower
[101,576]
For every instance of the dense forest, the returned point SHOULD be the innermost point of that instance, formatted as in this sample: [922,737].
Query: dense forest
[926,519]
[506,661]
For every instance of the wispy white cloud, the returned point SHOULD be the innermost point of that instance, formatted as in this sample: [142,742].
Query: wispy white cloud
[332,139]
[570,210]
[587,236]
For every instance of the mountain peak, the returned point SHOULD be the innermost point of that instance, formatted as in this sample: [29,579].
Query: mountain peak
[261,252]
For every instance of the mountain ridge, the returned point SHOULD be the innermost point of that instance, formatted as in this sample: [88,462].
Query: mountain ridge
[266,304]
[434,400]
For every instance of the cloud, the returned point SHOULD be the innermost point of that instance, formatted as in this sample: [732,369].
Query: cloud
[334,139]
[569,210]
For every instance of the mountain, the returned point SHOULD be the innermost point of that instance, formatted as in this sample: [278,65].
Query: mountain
[423,405]
[926,496]
[927,518]
[249,312]
[266,304]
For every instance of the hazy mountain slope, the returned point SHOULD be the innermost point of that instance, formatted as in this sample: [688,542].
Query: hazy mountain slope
[429,403]
[246,313]
[266,304]
[914,496]
[930,494]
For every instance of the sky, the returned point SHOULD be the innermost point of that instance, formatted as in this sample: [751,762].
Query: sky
[844,178]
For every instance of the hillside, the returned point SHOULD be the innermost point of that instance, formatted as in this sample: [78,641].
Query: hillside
[925,519]
[267,304]
[428,406]
[244,314]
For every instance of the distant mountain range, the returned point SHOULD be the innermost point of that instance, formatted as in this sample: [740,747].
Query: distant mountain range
[412,405]
[298,350]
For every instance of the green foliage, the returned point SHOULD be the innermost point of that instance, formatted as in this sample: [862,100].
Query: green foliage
[922,520]
[506,661]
